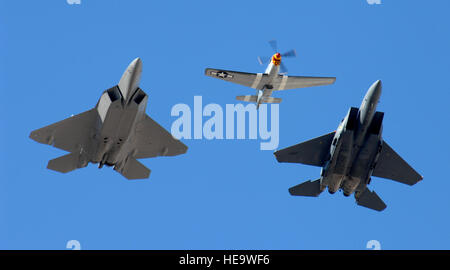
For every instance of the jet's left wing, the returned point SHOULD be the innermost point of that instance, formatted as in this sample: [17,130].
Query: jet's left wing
[71,134]
[314,152]
[153,140]
[390,165]
[284,82]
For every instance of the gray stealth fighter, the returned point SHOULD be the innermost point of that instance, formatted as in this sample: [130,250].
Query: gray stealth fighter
[351,155]
[114,133]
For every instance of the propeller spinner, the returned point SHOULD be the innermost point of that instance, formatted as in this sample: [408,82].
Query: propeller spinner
[276,58]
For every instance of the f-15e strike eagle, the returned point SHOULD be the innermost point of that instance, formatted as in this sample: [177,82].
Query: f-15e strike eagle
[351,155]
[269,81]
[116,132]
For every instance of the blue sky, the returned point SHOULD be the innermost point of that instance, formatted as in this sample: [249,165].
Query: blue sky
[56,59]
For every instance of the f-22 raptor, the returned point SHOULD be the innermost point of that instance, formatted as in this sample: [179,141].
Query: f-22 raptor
[351,155]
[116,132]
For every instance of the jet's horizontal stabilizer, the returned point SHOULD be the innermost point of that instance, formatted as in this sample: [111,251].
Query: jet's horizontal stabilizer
[66,163]
[370,200]
[133,169]
[308,188]
[251,98]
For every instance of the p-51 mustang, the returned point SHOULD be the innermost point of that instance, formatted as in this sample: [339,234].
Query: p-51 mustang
[269,81]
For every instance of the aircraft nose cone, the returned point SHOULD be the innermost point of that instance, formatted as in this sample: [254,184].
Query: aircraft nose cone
[130,78]
[135,67]
[136,64]
[375,90]
[377,84]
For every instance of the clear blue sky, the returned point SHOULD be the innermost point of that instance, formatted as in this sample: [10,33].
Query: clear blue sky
[56,59]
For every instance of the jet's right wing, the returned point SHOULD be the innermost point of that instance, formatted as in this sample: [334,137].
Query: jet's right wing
[153,140]
[71,134]
[391,166]
[313,152]
[252,80]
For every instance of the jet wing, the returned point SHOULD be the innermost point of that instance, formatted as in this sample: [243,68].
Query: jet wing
[284,82]
[252,80]
[153,140]
[313,152]
[71,134]
[390,165]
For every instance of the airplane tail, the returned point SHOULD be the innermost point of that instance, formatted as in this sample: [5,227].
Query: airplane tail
[249,98]
[271,100]
[252,98]
[370,200]
[308,188]
[66,163]
[133,169]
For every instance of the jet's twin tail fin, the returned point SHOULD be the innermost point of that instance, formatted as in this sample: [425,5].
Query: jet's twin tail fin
[308,188]
[133,169]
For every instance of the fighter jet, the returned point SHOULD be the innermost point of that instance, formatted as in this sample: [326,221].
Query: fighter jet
[116,132]
[351,155]
[269,81]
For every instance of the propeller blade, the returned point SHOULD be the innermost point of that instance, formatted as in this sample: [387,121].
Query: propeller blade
[291,53]
[263,60]
[273,44]
[283,68]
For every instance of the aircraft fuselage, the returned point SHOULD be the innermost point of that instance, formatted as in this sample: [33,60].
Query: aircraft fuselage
[272,71]
[355,147]
[120,108]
